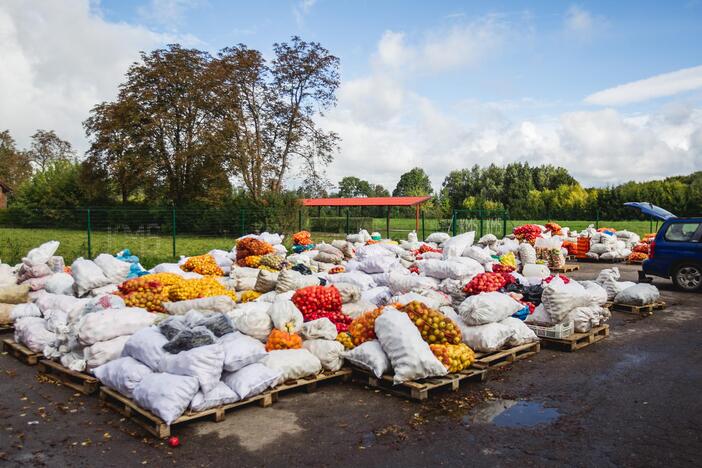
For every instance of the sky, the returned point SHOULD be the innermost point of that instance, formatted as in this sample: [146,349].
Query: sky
[610,90]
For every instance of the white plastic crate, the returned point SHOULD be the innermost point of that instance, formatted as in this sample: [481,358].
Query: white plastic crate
[558,331]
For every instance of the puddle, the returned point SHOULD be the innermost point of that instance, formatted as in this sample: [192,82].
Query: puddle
[511,413]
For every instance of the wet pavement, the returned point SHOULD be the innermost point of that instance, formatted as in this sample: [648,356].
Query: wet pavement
[630,400]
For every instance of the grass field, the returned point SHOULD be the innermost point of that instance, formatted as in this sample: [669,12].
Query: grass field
[153,249]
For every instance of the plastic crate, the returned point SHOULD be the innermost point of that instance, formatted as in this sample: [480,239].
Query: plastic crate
[558,331]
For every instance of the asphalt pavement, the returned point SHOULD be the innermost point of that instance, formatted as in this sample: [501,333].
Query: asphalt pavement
[629,400]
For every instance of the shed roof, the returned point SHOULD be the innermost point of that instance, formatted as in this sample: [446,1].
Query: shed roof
[370,201]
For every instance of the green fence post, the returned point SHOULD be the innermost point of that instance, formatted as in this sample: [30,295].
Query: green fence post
[387,224]
[480,216]
[241,221]
[424,235]
[173,229]
[90,228]
[347,221]
[504,223]
[453,223]
[597,218]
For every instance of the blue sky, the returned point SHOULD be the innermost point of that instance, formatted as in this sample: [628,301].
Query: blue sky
[611,90]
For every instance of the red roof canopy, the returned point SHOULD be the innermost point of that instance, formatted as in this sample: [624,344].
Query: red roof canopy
[370,201]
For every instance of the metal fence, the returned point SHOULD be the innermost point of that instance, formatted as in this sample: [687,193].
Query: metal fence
[163,234]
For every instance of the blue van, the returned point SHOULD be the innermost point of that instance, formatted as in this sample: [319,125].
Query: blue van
[676,252]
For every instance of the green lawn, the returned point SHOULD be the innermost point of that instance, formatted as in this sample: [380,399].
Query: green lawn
[153,249]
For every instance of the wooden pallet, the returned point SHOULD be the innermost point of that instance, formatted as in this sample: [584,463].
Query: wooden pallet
[577,341]
[643,311]
[505,356]
[592,260]
[156,426]
[567,268]
[79,381]
[21,352]
[419,390]
[8,327]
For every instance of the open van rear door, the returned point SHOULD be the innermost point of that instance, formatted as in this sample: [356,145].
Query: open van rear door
[649,209]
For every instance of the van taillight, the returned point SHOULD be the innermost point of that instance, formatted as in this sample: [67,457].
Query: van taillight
[651,248]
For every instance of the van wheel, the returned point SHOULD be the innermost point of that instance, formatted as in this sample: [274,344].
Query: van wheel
[688,277]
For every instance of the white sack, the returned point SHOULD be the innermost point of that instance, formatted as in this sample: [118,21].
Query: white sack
[292,363]
[111,323]
[32,332]
[479,254]
[486,338]
[559,299]
[370,356]
[322,328]
[122,375]
[251,380]
[521,333]
[24,310]
[41,254]
[116,271]
[146,346]
[354,309]
[358,278]
[329,353]
[455,246]
[204,363]
[104,351]
[220,395]
[60,283]
[488,307]
[87,276]
[377,296]
[400,283]
[205,305]
[377,264]
[165,395]
[437,237]
[240,350]
[410,355]
[638,295]
[256,323]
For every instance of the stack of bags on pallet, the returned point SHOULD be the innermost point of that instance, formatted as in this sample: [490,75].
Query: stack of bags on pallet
[607,246]
[626,292]
[565,300]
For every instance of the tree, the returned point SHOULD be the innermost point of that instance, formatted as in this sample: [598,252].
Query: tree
[162,127]
[118,149]
[15,167]
[350,187]
[266,112]
[414,183]
[47,148]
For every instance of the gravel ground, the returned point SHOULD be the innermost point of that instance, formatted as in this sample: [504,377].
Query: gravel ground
[630,400]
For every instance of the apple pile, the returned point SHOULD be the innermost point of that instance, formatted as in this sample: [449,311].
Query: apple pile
[502,268]
[455,357]
[250,295]
[322,301]
[196,288]
[345,339]
[486,282]
[434,326]
[279,339]
[202,264]
[527,232]
[250,246]
[563,278]
[362,328]
[149,295]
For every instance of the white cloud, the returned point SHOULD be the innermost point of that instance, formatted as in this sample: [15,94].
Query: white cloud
[59,59]
[667,84]
[387,128]
[442,50]
[583,24]
[302,9]
[168,13]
